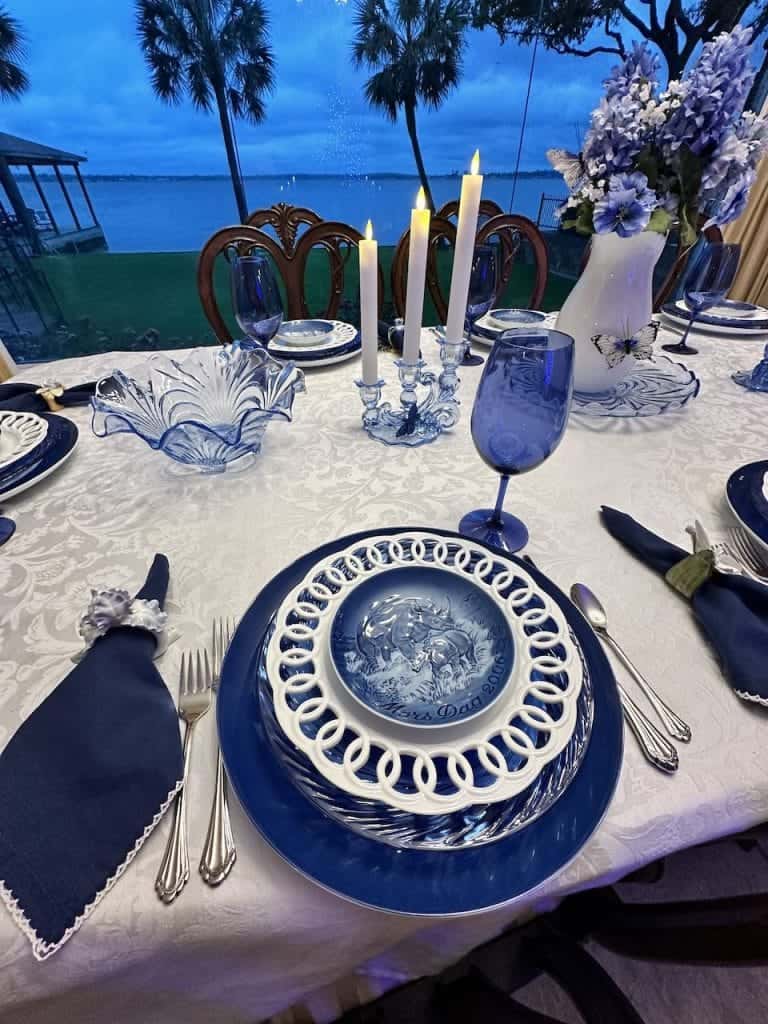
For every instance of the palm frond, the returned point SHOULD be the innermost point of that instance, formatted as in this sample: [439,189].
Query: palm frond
[12,39]
[199,84]
[254,80]
[167,77]
[13,78]
[383,90]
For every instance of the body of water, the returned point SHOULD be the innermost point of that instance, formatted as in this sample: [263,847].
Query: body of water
[179,214]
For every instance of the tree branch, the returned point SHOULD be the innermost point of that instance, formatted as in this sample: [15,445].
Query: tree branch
[633,19]
[615,34]
[676,14]
[576,52]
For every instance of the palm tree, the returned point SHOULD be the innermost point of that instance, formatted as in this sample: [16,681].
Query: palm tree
[13,78]
[216,50]
[415,49]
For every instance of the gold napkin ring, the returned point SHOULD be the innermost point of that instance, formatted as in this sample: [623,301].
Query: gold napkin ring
[49,393]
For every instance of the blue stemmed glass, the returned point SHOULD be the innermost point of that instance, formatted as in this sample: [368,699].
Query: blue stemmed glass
[483,282]
[518,419]
[707,281]
[256,298]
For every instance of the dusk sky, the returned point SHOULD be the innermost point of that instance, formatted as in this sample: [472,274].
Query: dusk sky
[90,94]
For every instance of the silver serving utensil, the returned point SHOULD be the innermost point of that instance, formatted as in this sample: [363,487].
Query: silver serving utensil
[194,700]
[219,853]
[748,552]
[655,746]
[594,613]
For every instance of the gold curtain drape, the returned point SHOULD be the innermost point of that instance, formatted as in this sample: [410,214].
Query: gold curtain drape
[751,232]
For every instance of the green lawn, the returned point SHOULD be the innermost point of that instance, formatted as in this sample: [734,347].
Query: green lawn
[111,300]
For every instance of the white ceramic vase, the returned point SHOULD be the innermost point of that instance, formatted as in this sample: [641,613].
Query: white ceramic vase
[614,295]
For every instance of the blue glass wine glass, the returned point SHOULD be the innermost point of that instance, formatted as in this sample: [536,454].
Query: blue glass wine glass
[256,298]
[483,282]
[708,279]
[518,419]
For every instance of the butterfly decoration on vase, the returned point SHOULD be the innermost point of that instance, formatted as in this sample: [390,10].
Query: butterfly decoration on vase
[614,348]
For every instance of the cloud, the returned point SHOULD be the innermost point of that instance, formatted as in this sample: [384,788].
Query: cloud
[91,94]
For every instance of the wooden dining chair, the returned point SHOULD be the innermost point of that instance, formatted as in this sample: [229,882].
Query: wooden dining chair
[290,253]
[7,365]
[514,230]
[511,232]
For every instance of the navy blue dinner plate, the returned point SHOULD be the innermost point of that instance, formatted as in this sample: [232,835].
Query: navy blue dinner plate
[744,491]
[418,882]
[43,459]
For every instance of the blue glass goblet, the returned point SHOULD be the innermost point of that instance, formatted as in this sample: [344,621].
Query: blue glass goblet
[483,282]
[518,419]
[708,279]
[256,298]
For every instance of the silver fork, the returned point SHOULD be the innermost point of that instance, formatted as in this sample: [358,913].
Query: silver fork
[219,853]
[747,552]
[194,700]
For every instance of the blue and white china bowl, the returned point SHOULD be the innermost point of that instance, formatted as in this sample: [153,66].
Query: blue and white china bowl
[506,319]
[45,458]
[422,646]
[304,333]
[740,319]
[315,342]
[459,880]
[20,434]
[495,754]
[747,495]
[207,411]
[652,387]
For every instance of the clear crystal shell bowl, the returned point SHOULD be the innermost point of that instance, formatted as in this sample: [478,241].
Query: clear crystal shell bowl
[207,410]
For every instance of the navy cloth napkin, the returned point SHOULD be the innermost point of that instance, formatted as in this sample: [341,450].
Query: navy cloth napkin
[18,397]
[732,610]
[84,780]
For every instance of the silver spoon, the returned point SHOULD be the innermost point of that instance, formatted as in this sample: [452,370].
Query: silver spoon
[594,613]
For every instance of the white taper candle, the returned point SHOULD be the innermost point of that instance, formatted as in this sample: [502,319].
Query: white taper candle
[369,305]
[417,276]
[469,208]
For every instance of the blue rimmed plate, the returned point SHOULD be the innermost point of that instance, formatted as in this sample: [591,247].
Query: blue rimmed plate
[46,458]
[315,342]
[369,872]
[487,329]
[746,496]
[422,646]
[740,319]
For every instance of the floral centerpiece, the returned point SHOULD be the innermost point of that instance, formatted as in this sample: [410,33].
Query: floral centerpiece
[655,156]
[652,157]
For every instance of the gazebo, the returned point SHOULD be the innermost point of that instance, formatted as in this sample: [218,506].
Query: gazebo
[43,229]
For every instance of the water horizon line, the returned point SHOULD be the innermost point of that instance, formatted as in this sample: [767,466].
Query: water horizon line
[302,176]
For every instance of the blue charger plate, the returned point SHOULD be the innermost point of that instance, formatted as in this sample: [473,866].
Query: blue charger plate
[420,882]
[55,447]
[744,491]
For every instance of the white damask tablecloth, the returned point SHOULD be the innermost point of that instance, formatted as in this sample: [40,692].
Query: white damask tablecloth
[268,937]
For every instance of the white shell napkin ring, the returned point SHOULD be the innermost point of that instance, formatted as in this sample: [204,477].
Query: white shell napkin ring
[109,609]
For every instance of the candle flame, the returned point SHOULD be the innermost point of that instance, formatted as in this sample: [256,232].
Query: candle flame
[421,200]
[369,232]
[475,166]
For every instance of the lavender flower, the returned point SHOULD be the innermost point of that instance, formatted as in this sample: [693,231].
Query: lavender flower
[639,68]
[712,94]
[727,179]
[615,137]
[627,206]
